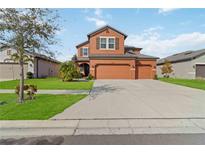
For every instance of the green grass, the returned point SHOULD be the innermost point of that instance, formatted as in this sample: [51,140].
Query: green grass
[41,108]
[193,83]
[50,83]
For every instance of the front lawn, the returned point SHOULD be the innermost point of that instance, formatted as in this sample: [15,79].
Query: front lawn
[50,83]
[41,108]
[193,83]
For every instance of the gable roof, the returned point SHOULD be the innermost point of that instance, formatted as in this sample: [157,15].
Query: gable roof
[103,28]
[128,47]
[38,55]
[81,44]
[183,56]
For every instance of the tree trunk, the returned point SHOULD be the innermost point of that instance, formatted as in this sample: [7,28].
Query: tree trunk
[21,90]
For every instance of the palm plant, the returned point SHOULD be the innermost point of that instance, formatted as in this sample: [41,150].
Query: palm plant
[69,71]
[15,57]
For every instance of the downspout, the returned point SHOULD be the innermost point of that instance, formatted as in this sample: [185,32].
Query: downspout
[37,67]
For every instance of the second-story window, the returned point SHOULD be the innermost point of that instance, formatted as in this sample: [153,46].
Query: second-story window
[107,43]
[85,52]
[103,42]
[111,43]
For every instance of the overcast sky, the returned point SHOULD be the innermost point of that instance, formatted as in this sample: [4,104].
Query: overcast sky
[160,32]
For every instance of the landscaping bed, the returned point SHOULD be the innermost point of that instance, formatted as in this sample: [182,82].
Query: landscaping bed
[41,108]
[193,83]
[50,83]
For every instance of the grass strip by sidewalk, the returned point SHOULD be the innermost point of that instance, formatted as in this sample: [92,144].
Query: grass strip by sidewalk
[50,83]
[193,83]
[41,108]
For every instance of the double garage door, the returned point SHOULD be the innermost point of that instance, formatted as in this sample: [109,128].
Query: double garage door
[10,71]
[114,71]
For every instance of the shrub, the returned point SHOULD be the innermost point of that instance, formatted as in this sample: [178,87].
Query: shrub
[69,71]
[90,77]
[29,75]
[3,103]
[166,69]
[30,90]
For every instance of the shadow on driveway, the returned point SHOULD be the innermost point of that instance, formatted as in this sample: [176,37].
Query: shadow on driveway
[99,90]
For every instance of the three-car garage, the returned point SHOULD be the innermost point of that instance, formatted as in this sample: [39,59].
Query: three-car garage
[122,69]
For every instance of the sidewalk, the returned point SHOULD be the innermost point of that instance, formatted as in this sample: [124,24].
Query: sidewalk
[51,91]
[31,128]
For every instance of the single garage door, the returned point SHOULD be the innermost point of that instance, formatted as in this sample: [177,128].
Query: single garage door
[10,71]
[144,72]
[113,71]
[200,70]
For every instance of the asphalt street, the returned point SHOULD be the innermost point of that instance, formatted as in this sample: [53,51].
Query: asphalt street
[142,139]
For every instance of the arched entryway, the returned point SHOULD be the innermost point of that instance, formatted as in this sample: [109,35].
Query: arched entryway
[84,69]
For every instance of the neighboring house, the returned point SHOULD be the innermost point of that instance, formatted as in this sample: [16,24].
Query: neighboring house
[105,56]
[188,64]
[42,66]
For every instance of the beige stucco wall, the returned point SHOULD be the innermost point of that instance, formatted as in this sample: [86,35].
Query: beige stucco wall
[11,71]
[183,69]
[4,57]
[46,68]
[7,58]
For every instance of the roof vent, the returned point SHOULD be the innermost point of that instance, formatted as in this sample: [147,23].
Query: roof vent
[175,54]
[187,53]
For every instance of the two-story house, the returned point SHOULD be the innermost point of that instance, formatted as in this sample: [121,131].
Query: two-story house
[105,56]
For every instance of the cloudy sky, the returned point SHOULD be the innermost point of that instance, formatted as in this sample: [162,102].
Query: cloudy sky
[160,32]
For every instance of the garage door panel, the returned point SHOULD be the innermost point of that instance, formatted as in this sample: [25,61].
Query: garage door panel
[111,71]
[144,72]
[11,71]
[200,71]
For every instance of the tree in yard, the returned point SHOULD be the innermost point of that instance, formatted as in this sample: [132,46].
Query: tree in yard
[27,30]
[166,69]
[69,71]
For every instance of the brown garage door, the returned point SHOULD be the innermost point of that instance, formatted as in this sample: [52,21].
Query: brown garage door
[11,71]
[200,70]
[113,72]
[144,72]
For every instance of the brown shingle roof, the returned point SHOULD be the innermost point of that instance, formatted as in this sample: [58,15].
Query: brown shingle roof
[103,28]
[83,43]
[127,47]
[37,55]
[127,55]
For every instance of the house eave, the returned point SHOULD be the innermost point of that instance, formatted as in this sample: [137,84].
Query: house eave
[103,28]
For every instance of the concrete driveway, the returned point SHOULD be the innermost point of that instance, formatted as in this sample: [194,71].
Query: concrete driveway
[113,99]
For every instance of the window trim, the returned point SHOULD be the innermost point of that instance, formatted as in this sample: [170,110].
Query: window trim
[8,52]
[107,42]
[83,51]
